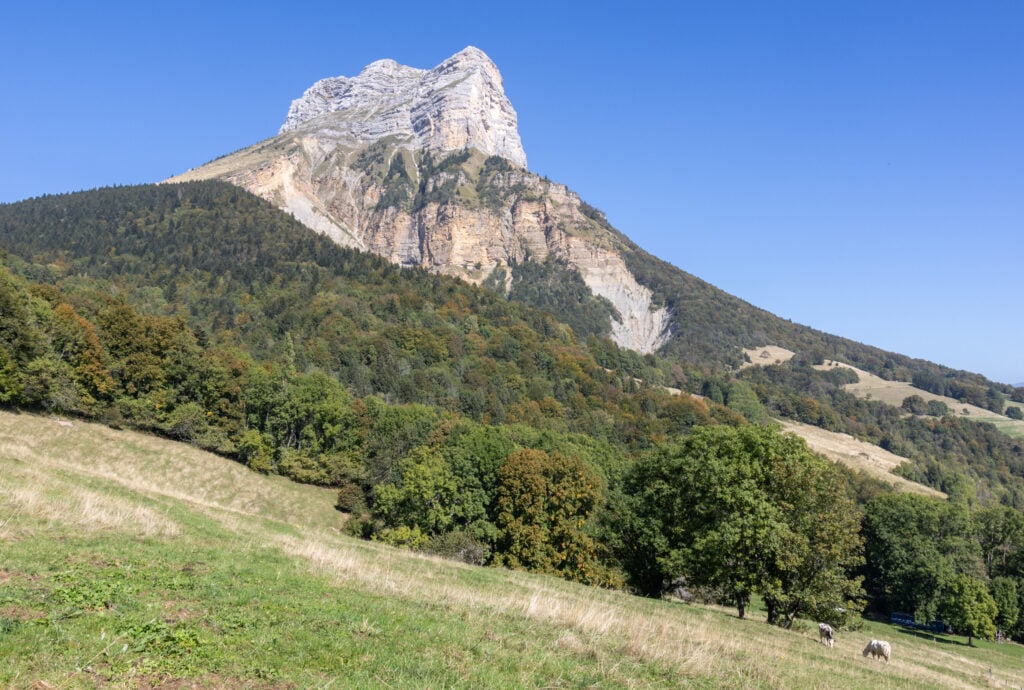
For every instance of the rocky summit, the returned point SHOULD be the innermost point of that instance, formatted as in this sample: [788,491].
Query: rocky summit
[459,104]
[426,168]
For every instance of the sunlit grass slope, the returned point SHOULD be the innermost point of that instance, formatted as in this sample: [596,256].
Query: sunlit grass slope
[128,561]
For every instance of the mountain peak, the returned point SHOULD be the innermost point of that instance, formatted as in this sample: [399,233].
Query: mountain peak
[458,104]
[467,58]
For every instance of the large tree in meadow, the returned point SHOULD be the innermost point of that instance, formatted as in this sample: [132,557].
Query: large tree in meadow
[967,606]
[744,510]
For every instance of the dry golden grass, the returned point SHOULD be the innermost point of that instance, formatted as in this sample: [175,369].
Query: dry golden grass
[158,469]
[893,393]
[858,455]
[52,501]
[766,355]
[29,485]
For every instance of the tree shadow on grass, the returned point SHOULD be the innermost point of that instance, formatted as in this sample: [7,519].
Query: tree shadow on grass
[930,636]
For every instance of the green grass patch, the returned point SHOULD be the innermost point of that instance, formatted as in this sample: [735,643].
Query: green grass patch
[128,561]
[1010,427]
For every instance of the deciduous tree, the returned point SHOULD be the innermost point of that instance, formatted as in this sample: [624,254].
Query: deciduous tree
[969,608]
[543,505]
[745,510]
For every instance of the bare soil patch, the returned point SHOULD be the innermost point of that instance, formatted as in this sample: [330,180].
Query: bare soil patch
[20,613]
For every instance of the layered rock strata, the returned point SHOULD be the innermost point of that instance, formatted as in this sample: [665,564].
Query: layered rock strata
[459,104]
[357,159]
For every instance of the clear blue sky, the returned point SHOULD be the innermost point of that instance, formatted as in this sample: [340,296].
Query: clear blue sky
[857,166]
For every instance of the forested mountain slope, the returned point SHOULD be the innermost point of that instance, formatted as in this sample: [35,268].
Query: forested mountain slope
[450,419]
[243,275]
[425,168]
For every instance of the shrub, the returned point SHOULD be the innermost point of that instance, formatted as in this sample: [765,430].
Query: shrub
[403,535]
[914,404]
[351,499]
[459,545]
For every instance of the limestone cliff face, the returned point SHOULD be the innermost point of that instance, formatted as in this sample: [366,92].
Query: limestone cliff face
[425,168]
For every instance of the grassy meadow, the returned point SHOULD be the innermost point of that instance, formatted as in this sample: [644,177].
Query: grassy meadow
[127,561]
[858,455]
[874,387]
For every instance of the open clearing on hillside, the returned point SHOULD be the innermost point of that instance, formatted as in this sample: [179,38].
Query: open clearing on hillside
[874,387]
[200,573]
[766,356]
[857,455]
[840,447]
[894,392]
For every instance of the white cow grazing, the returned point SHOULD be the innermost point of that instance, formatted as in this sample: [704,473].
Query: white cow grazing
[878,648]
[826,634]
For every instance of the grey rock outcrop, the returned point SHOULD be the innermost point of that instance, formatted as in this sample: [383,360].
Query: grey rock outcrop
[351,161]
[459,104]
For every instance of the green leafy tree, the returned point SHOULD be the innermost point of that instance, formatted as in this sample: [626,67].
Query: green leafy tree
[744,510]
[814,577]
[475,452]
[994,400]
[914,545]
[75,338]
[742,398]
[914,404]
[999,531]
[257,451]
[21,340]
[1005,596]
[1016,631]
[308,419]
[391,431]
[968,607]
[522,517]
[424,497]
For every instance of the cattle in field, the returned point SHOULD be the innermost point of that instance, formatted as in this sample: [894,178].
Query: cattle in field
[826,635]
[878,648]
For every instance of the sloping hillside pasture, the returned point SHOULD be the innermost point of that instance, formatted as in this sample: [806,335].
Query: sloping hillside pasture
[873,387]
[858,455]
[893,392]
[766,356]
[129,561]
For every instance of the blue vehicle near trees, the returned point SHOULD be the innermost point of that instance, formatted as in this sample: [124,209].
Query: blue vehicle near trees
[907,620]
